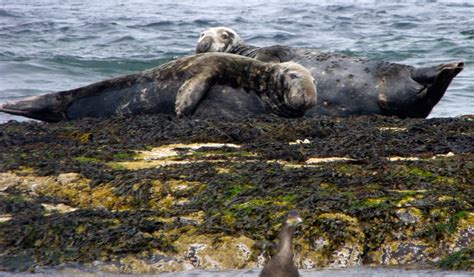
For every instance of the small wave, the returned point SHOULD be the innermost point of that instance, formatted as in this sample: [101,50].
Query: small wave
[77,38]
[64,29]
[240,19]
[468,32]
[346,18]
[5,13]
[34,27]
[159,24]
[339,8]
[99,26]
[125,38]
[110,66]
[404,25]
[204,22]
[460,51]
[164,23]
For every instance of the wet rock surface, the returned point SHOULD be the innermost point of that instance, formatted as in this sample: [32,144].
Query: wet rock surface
[151,193]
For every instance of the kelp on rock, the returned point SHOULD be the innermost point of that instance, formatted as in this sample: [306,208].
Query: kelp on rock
[151,193]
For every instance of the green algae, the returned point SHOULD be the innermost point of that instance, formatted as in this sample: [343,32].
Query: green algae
[415,171]
[381,203]
[83,159]
[459,260]
[238,189]
[450,226]
[251,206]
[124,155]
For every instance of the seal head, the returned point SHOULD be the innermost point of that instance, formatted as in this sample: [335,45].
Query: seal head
[217,39]
[301,86]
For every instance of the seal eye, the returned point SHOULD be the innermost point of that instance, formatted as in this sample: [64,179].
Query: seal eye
[293,76]
[202,34]
[225,36]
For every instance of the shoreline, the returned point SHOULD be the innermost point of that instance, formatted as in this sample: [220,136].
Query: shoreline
[353,272]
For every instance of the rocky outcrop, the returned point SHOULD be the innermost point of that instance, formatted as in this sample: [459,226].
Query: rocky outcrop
[152,194]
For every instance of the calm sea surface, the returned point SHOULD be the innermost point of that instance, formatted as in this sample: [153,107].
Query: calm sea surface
[55,45]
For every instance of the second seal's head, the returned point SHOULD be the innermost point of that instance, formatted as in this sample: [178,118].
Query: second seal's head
[301,85]
[217,39]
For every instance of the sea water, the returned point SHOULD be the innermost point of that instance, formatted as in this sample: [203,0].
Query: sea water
[53,45]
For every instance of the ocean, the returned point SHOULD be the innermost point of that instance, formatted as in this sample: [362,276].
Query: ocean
[52,45]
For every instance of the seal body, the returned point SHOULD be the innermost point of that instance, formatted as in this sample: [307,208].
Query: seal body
[242,85]
[350,85]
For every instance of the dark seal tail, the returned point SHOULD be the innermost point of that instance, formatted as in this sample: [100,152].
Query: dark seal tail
[436,80]
[44,107]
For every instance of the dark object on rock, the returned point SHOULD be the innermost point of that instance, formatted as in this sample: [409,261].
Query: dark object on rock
[205,85]
[282,263]
[350,85]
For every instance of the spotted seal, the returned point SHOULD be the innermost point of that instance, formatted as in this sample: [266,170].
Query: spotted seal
[219,82]
[349,85]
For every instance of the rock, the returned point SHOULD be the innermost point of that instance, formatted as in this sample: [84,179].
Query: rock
[368,189]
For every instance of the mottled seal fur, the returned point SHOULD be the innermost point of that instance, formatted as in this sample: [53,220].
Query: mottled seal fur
[281,264]
[350,85]
[210,84]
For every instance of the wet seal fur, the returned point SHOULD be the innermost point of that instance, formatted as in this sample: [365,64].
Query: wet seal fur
[210,84]
[349,85]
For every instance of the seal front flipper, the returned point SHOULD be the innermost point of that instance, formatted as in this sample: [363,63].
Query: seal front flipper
[190,94]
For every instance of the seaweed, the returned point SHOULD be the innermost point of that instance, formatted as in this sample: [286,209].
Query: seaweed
[94,190]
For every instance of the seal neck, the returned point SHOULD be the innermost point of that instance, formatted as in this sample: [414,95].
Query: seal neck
[286,242]
[244,50]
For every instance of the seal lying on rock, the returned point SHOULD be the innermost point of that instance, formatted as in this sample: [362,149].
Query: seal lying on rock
[240,84]
[281,264]
[349,85]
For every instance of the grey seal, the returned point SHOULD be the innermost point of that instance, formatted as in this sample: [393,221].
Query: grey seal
[207,84]
[349,85]
[281,264]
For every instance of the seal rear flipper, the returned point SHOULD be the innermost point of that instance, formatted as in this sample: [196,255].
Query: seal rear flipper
[44,107]
[436,80]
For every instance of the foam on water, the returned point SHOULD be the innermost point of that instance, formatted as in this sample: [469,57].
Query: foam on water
[55,45]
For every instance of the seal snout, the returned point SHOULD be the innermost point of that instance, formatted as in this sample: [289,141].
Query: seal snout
[204,44]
